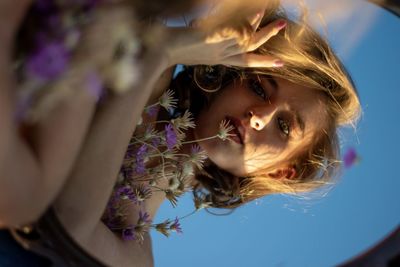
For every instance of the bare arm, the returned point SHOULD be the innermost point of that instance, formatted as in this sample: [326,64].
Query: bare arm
[113,251]
[34,170]
[83,200]
[89,187]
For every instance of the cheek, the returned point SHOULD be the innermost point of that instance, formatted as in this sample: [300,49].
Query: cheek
[205,124]
[267,150]
[260,156]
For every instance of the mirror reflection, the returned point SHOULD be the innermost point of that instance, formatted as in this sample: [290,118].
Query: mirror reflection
[254,111]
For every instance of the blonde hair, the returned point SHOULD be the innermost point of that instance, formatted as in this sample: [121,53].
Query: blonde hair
[309,61]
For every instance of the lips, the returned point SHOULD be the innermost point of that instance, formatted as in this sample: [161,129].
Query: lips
[238,129]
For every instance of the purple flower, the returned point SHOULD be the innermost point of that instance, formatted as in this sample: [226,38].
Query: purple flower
[126,192]
[156,141]
[140,154]
[140,168]
[144,218]
[141,151]
[128,233]
[195,149]
[170,136]
[350,157]
[49,61]
[127,171]
[176,226]
[142,192]
[130,151]
[152,111]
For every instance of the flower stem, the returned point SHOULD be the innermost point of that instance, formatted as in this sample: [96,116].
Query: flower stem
[199,140]
[187,215]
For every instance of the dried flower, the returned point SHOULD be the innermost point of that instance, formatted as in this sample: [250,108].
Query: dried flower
[48,62]
[170,154]
[126,192]
[151,110]
[142,192]
[224,129]
[173,183]
[167,101]
[184,122]
[128,233]
[140,156]
[136,232]
[171,137]
[172,196]
[201,203]
[126,171]
[176,226]
[350,157]
[140,167]
[149,133]
[144,218]
[163,227]
[183,185]
[197,156]
[156,141]
[187,169]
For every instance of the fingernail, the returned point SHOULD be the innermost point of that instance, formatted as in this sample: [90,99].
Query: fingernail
[281,24]
[278,63]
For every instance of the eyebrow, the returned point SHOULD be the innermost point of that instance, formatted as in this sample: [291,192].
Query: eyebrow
[298,118]
[272,81]
[299,121]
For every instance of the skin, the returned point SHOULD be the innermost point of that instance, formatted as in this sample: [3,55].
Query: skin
[93,143]
[269,128]
[40,160]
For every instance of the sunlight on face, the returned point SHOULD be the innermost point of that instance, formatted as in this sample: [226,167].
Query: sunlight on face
[272,118]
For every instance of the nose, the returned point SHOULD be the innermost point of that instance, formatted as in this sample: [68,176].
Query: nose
[259,118]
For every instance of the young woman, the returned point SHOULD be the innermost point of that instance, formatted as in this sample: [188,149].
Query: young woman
[283,91]
[284,121]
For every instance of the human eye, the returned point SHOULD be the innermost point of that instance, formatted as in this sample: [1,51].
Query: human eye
[284,126]
[256,86]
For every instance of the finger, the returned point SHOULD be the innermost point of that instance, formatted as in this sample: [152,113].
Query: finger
[253,61]
[256,20]
[265,33]
[234,49]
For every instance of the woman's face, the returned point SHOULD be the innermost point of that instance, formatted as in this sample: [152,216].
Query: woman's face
[273,118]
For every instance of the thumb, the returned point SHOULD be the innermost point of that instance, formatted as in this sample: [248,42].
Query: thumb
[251,60]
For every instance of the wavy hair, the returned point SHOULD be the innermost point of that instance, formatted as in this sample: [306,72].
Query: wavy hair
[309,61]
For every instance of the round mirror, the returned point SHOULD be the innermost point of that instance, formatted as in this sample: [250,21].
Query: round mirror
[360,210]
[323,228]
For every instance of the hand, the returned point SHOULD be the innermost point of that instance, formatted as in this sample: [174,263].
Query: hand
[224,45]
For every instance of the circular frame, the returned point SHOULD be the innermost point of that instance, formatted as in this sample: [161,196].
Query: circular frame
[387,251]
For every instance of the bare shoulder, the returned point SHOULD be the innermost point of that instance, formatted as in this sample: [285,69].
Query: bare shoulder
[114,251]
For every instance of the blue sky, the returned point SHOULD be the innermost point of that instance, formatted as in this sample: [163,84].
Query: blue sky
[361,209]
